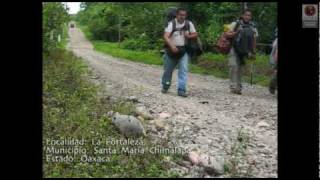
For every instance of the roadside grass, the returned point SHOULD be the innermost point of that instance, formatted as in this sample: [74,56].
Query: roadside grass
[147,57]
[207,64]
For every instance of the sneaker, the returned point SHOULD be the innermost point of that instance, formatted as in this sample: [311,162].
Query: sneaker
[163,90]
[236,91]
[182,94]
[272,90]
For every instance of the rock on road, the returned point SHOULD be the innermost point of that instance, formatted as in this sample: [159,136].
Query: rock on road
[208,120]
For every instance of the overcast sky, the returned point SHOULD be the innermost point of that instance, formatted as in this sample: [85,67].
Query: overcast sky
[74,7]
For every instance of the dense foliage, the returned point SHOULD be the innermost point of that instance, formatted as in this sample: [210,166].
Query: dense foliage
[140,25]
[54,19]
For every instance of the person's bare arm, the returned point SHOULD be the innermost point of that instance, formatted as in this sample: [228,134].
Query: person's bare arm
[254,44]
[191,35]
[230,34]
[167,40]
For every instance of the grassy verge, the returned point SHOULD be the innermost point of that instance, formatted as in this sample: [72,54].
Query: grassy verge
[208,63]
[147,57]
[72,108]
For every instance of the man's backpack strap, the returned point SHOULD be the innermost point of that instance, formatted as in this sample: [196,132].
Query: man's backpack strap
[187,25]
[174,27]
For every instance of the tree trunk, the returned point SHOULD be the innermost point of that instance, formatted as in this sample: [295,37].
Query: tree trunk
[244,6]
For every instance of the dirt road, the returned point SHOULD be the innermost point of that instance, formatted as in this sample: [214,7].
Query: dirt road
[208,120]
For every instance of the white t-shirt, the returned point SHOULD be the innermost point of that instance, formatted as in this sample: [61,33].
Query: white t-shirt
[178,36]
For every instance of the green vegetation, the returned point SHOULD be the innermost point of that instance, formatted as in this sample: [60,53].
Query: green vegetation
[63,43]
[148,57]
[54,21]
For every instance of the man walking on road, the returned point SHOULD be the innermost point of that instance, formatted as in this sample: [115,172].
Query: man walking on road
[244,34]
[176,35]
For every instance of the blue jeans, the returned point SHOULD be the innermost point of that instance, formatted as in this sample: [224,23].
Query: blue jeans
[169,66]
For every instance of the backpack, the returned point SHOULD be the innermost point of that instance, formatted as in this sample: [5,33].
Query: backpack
[193,46]
[243,41]
[224,43]
[171,14]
